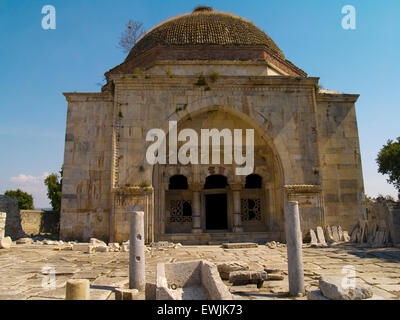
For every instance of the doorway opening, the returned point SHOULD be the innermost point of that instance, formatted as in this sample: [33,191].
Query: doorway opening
[216,212]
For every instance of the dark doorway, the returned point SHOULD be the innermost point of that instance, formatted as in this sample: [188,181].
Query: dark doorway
[216,212]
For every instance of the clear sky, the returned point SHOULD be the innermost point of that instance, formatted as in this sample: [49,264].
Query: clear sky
[38,65]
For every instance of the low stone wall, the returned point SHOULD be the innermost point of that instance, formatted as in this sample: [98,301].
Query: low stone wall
[31,221]
[381,224]
[36,222]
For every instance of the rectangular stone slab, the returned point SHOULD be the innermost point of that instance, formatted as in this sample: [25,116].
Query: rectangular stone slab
[242,245]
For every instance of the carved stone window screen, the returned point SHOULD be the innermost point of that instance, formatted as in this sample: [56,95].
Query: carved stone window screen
[250,209]
[177,211]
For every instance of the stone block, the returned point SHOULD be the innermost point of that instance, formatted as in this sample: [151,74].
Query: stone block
[238,278]
[242,245]
[346,237]
[225,268]
[340,233]
[126,294]
[275,277]
[335,233]
[96,242]
[150,291]
[314,240]
[332,287]
[320,236]
[329,235]
[190,280]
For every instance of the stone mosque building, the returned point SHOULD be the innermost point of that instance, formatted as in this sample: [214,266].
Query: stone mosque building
[209,70]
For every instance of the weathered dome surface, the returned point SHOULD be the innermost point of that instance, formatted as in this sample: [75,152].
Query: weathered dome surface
[204,26]
[205,35]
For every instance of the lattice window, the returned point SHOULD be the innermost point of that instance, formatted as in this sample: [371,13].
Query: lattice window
[180,211]
[250,209]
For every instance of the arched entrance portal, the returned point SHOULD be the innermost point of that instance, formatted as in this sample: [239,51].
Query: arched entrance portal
[200,203]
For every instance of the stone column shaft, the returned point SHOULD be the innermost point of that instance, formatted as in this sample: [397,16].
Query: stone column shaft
[77,289]
[137,278]
[294,249]
[237,217]
[196,213]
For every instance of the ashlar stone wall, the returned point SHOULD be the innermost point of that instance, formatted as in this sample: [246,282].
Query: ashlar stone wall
[313,139]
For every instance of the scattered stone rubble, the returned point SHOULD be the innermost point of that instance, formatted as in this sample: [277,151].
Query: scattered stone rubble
[275,244]
[95,245]
[225,268]
[240,274]
[380,225]
[374,236]
[334,234]
[332,288]
[161,245]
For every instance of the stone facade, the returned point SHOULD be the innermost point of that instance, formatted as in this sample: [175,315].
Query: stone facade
[306,150]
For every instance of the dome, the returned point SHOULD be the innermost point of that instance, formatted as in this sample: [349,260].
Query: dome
[205,35]
[204,26]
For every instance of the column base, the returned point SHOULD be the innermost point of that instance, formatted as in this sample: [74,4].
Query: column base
[237,229]
[197,231]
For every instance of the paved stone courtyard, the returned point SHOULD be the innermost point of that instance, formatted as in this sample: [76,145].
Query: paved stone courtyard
[22,273]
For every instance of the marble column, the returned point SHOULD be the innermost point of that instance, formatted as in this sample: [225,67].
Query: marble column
[196,208]
[137,277]
[237,216]
[294,249]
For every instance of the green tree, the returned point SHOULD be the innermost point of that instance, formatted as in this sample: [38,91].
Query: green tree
[389,162]
[54,188]
[25,200]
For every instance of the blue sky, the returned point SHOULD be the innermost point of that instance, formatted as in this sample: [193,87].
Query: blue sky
[38,65]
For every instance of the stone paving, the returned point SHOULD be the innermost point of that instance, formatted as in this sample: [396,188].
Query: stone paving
[22,274]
